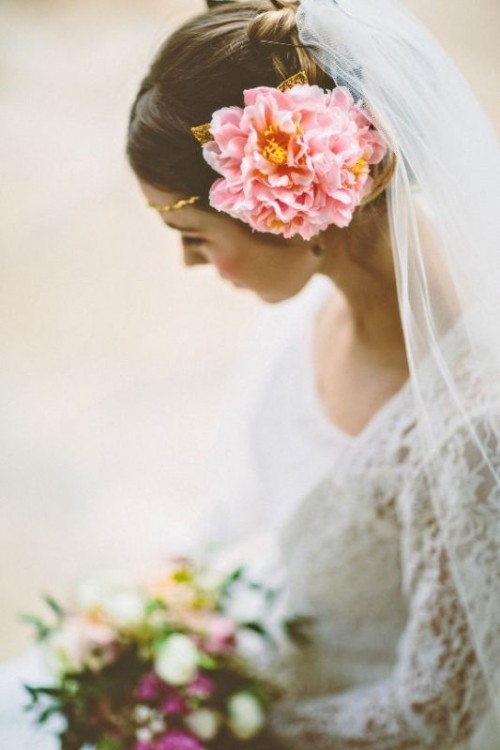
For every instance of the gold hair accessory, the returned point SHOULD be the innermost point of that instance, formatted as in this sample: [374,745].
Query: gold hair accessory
[173,206]
[299,79]
[202,132]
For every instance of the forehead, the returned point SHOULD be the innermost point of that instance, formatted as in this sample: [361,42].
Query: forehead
[187,218]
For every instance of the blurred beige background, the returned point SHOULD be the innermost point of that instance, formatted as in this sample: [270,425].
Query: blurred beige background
[114,359]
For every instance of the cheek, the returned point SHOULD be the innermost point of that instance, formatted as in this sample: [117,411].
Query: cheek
[228,265]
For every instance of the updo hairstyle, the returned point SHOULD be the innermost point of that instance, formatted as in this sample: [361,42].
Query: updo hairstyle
[204,65]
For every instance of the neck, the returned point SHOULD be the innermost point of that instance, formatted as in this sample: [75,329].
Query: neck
[359,262]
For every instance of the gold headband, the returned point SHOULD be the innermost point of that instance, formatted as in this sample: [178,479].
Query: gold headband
[202,132]
[173,206]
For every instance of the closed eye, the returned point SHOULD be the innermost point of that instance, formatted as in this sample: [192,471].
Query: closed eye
[192,241]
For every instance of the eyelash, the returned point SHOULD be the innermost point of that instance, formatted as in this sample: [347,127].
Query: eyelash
[192,241]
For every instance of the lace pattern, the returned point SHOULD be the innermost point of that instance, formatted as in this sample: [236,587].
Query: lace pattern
[384,537]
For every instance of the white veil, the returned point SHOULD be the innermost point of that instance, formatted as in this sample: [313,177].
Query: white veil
[444,218]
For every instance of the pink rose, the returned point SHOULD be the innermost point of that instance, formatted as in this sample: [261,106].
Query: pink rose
[221,635]
[294,161]
[201,687]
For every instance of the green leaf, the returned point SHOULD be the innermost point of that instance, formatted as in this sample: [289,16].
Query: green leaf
[47,713]
[42,629]
[206,661]
[33,693]
[52,692]
[236,574]
[54,606]
[297,629]
[255,627]
[108,743]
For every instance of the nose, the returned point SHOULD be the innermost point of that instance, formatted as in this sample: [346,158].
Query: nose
[194,257]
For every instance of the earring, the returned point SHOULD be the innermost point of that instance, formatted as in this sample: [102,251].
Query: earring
[317,249]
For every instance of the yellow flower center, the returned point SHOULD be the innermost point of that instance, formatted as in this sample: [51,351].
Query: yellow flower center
[275,149]
[275,224]
[361,167]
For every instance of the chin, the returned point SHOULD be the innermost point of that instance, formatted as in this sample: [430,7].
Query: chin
[272,298]
[280,295]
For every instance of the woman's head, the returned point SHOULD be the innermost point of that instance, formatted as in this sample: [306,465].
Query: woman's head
[204,66]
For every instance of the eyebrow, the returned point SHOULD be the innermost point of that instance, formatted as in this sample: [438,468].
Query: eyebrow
[181,229]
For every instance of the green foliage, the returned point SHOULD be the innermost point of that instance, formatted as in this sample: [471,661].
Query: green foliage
[298,629]
[98,701]
[42,630]
[108,743]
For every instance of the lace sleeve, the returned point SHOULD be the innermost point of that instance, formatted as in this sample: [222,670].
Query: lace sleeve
[436,693]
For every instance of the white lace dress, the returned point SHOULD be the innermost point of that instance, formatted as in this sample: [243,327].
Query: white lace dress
[388,664]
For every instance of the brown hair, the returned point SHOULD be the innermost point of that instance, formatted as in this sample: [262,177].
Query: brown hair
[205,65]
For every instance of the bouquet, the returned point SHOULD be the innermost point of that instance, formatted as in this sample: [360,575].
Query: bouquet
[153,665]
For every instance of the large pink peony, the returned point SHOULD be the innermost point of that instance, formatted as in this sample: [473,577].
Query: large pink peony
[293,161]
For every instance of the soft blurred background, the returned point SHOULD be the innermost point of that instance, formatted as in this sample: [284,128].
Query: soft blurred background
[114,359]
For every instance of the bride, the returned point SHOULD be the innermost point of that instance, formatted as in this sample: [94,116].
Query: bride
[334,139]
[285,140]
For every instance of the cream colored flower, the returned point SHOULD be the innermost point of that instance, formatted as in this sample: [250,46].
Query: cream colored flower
[203,723]
[177,660]
[246,716]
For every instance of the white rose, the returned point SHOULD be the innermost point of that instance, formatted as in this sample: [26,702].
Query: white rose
[177,660]
[142,713]
[126,608]
[246,716]
[246,604]
[65,649]
[144,734]
[251,646]
[90,594]
[157,725]
[203,723]
[95,592]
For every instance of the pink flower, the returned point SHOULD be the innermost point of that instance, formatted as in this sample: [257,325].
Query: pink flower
[221,635]
[82,643]
[149,687]
[178,740]
[174,704]
[201,687]
[293,161]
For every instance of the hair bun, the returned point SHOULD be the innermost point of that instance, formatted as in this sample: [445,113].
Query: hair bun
[276,24]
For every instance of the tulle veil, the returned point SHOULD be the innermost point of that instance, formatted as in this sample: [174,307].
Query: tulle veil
[445,228]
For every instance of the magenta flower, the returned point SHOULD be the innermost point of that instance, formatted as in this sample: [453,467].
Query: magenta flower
[293,161]
[149,687]
[178,740]
[174,704]
[201,687]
